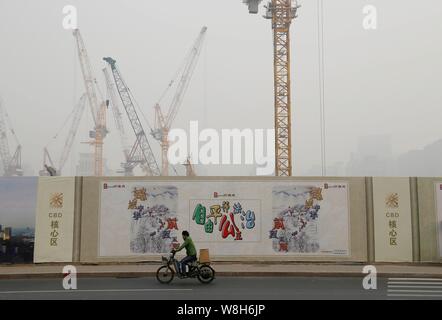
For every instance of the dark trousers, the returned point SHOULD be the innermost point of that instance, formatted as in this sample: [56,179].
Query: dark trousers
[186,261]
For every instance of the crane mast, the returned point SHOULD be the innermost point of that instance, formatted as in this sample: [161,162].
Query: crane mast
[128,103]
[128,166]
[164,123]
[98,107]
[4,145]
[281,13]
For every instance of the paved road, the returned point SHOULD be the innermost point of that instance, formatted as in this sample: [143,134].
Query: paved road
[221,289]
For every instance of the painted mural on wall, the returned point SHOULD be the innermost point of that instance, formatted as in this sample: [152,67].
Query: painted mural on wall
[297,215]
[230,218]
[154,220]
[225,219]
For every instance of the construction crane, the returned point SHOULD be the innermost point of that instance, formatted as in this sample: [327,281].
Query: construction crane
[48,164]
[11,164]
[128,166]
[133,156]
[163,122]
[141,146]
[97,105]
[190,171]
[281,12]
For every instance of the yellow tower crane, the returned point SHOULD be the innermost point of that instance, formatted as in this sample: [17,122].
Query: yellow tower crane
[281,12]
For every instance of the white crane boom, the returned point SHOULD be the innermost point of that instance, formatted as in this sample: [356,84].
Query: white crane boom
[78,113]
[164,123]
[11,164]
[98,107]
[186,76]
[90,81]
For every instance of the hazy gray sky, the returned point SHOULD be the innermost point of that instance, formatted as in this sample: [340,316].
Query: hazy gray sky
[18,198]
[385,81]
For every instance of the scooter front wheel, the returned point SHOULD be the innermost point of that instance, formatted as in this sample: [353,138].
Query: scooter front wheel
[165,274]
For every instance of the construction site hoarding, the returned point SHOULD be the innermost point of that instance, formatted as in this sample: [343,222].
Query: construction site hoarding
[429,231]
[392,220]
[438,190]
[286,219]
[240,218]
[55,220]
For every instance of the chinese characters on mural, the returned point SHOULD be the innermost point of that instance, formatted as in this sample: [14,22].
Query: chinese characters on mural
[392,202]
[231,221]
[154,221]
[295,226]
[55,202]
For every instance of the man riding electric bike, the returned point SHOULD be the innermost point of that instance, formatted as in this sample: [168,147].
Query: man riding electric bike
[190,254]
[196,269]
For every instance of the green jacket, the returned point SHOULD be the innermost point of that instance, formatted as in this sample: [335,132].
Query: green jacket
[190,247]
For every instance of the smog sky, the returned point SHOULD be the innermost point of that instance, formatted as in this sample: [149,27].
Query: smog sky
[18,197]
[377,82]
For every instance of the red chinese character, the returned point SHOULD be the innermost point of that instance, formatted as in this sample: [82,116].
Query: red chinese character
[172,224]
[283,246]
[229,228]
[279,223]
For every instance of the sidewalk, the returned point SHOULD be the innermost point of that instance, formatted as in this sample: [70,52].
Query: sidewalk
[227,270]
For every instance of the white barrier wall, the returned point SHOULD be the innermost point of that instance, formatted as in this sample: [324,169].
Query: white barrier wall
[438,191]
[430,219]
[228,218]
[54,234]
[305,219]
[241,219]
[392,220]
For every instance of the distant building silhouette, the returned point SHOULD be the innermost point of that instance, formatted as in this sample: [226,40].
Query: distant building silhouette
[86,166]
[426,162]
[7,234]
[373,158]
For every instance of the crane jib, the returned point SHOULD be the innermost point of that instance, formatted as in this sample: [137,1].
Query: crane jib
[131,112]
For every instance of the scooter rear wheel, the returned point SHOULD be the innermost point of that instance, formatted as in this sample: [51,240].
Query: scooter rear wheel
[206,274]
[165,274]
